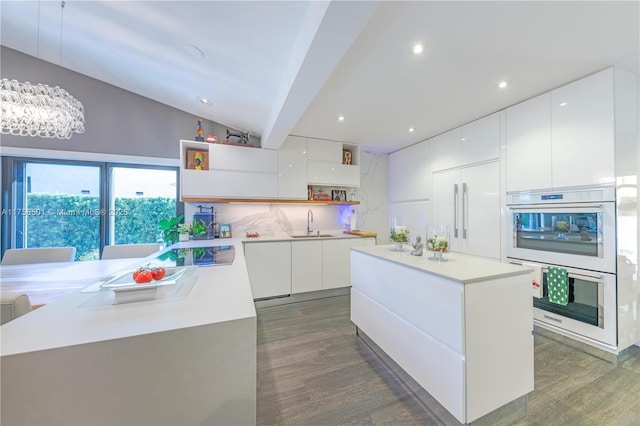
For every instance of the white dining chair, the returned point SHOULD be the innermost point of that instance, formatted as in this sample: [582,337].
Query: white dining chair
[38,255]
[124,251]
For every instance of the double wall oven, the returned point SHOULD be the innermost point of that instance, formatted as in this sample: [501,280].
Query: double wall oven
[576,231]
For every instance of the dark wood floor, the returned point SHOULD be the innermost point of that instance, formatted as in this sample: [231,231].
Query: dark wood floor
[314,370]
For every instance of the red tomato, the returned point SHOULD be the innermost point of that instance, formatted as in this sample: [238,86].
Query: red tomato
[142,276]
[158,273]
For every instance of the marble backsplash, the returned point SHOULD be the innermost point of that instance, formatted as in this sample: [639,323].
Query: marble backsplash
[281,219]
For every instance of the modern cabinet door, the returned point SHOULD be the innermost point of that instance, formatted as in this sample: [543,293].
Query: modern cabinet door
[292,169]
[324,150]
[409,174]
[582,130]
[445,204]
[480,210]
[306,266]
[336,264]
[480,140]
[468,200]
[444,151]
[269,268]
[528,145]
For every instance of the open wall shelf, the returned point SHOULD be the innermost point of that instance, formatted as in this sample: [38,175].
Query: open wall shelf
[263,201]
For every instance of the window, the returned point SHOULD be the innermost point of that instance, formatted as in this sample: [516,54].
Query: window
[85,205]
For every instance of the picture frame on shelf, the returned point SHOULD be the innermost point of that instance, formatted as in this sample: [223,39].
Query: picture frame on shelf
[339,195]
[197,159]
[319,194]
[225,230]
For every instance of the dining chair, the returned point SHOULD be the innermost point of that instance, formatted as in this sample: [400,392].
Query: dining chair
[38,255]
[13,305]
[124,251]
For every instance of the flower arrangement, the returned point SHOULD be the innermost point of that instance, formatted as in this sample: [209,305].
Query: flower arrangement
[438,243]
[400,234]
[183,228]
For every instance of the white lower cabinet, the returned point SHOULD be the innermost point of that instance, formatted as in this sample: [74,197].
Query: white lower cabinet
[335,263]
[306,266]
[269,268]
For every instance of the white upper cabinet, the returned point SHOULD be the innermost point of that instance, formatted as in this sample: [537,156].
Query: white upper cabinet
[292,169]
[327,164]
[409,174]
[444,151]
[528,144]
[480,140]
[582,131]
[563,138]
[323,150]
[232,172]
[472,143]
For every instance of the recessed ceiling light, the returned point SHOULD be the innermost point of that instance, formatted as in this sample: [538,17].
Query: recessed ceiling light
[563,104]
[503,84]
[411,129]
[341,118]
[418,48]
[204,101]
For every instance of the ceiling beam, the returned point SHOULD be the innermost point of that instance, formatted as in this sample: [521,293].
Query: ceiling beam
[329,30]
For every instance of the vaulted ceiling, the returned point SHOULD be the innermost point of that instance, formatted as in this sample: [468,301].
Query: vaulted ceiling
[292,67]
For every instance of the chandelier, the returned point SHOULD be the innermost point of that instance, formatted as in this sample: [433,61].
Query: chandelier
[39,110]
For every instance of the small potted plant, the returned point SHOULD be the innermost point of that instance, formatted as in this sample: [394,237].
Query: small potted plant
[399,235]
[169,229]
[183,232]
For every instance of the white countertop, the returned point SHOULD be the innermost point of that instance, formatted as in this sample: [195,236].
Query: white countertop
[221,293]
[462,268]
[284,237]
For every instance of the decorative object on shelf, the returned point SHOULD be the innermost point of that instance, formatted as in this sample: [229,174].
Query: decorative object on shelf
[338,195]
[243,137]
[352,197]
[418,247]
[38,109]
[183,231]
[169,229]
[197,159]
[399,232]
[347,157]
[225,230]
[438,241]
[212,139]
[203,224]
[320,194]
[253,235]
[199,137]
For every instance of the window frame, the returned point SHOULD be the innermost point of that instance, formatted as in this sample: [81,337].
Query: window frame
[8,200]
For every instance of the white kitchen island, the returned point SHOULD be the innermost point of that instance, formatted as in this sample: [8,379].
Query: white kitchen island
[188,359]
[462,329]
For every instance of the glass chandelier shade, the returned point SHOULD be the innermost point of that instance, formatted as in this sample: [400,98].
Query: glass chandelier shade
[39,110]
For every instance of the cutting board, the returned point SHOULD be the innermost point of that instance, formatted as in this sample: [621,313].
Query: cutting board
[362,233]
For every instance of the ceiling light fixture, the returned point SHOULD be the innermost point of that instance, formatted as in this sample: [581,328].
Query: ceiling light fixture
[503,84]
[204,101]
[418,48]
[341,118]
[38,109]
[411,129]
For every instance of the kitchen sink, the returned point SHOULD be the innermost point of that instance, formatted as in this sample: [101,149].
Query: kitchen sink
[311,236]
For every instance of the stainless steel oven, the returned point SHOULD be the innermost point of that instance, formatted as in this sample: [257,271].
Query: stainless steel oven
[576,231]
[573,228]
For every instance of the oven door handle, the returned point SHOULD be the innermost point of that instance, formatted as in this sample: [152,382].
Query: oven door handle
[556,206]
[570,273]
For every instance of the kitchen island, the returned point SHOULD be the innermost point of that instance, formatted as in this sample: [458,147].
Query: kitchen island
[462,329]
[185,359]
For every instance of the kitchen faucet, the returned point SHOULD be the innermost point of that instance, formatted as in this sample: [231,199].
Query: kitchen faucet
[309,222]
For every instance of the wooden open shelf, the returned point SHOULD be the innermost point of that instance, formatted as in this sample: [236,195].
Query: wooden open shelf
[261,200]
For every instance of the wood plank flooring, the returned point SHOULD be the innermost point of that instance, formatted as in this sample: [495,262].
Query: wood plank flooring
[314,370]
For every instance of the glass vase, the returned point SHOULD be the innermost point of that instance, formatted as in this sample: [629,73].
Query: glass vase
[437,234]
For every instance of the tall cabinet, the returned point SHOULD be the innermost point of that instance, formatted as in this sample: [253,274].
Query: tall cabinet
[465,186]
